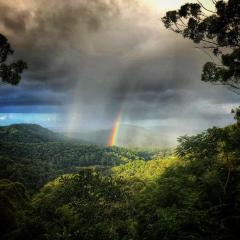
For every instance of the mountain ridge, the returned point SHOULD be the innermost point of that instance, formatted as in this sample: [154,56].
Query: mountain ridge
[128,136]
[24,132]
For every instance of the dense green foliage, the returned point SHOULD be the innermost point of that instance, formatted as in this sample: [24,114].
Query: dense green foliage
[35,163]
[199,196]
[13,203]
[87,205]
[34,155]
[218,32]
[139,195]
[28,133]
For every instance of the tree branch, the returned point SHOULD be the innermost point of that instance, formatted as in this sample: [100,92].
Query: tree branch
[210,42]
[205,7]
[183,22]
[208,54]
[214,2]
[226,84]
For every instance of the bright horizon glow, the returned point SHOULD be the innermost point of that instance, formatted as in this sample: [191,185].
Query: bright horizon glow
[48,120]
[166,4]
[174,4]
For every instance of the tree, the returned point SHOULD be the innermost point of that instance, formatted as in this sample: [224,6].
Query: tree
[9,72]
[13,201]
[216,31]
[87,205]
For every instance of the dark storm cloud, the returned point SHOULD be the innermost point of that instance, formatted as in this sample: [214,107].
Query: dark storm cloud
[14,97]
[51,37]
[57,41]
[97,58]
[158,74]
[12,19]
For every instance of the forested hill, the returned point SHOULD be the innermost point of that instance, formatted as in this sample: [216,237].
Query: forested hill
[33,155]
[28,133]
[129,137]
[133,194]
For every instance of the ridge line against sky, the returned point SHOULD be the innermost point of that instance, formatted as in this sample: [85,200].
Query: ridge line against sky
[88,59]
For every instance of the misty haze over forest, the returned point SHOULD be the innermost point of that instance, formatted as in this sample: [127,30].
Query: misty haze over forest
[88,62]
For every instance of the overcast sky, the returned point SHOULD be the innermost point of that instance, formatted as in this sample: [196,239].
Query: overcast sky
[90,60]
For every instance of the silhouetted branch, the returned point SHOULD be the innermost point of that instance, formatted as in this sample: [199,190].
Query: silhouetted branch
[205,7]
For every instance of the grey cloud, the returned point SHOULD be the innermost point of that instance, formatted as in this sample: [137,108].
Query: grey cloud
[97,58]
[57,36]
[31,98]
[12,19]
[158,75]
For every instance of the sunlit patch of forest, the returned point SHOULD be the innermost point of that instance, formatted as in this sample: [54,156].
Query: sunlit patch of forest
[68,190]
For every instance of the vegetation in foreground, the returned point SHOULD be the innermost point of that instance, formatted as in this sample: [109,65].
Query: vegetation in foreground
[190,194]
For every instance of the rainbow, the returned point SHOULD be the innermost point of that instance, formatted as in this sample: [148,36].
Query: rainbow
[114,132]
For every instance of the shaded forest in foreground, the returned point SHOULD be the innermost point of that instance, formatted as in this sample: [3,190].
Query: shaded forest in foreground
[55,188]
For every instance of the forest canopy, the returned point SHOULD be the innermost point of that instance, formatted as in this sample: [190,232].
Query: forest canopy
[149,194]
